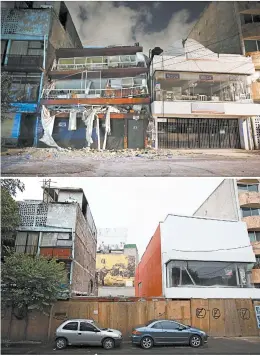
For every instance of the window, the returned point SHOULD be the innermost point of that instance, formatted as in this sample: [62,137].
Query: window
[169,325]
[257,257]
[254,236]
[23,48]
[248,187]
[27,242]
[205,273]
[71,326]
[250,212]
[252,45]
[157,326]
[87,327]
[25,86]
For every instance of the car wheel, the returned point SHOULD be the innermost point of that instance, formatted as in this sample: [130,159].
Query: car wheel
[61,343]
[147,342]
[195,341]
[108,344]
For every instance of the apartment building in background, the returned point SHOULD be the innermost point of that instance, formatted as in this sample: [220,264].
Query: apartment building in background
[98,98]
[238,200]
[202,99]
[31,31]
[233,27]
[197,257]
[61,226]
[116,263]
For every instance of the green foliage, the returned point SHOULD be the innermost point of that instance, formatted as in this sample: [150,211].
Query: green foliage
[31,282]
[12,185]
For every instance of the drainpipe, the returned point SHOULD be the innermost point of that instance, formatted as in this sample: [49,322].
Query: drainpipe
[39,244]
[73,254]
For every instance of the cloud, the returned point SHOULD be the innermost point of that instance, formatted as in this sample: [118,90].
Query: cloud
[109,23]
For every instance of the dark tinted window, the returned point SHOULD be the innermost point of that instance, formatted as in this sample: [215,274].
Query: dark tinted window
[170,325]
[87,327]
[71,326]
[157,326]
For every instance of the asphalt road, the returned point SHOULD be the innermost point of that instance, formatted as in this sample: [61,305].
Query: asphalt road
[215,346]
[184,163]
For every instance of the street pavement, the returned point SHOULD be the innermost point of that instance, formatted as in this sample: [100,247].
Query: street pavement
[127,163]
[215,346]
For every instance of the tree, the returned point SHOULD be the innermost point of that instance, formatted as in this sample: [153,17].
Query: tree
[6,82]
[30,283]
[10,218]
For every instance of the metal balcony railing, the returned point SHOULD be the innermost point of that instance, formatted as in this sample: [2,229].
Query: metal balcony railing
[24,61]
[138,91]
[98,66]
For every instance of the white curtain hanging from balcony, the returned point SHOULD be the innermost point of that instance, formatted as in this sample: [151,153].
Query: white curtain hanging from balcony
[72,121]
[47,123]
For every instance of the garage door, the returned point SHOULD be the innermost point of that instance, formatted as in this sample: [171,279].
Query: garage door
[198,133]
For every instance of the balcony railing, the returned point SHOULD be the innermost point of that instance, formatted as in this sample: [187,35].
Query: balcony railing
[24,61]
[138,91]
[165,95]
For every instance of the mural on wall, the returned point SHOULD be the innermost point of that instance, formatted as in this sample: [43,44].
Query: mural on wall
[115,270]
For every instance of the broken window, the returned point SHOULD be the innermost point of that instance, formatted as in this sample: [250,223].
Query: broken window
[27,242]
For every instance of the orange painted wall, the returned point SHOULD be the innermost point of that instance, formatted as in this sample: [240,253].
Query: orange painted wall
[149,269]
[62,253]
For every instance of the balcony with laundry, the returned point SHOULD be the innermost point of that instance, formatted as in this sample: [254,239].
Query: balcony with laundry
[102,91]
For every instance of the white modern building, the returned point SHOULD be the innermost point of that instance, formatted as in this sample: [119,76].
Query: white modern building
[202,99]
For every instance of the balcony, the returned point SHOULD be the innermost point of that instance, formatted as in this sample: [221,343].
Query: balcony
[59,253]
[255,58]
[250,31]
[252,222]
[134,95]
[249,199]
[255,278]
[23,62]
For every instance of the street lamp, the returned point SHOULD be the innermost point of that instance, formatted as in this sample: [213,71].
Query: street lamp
[156,51]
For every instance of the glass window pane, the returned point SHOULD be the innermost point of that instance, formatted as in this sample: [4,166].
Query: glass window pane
[175,276]
[66,61]
[254,212]
[251,235]
[258,45]
[253,188]
[19,47]
[157,326]
[80,60]
[242,187]
[36,44]
[169,325]
[257,235]
[246,212]
[97,59]
[248,18]
[250,45]
[87,327]
[71,326]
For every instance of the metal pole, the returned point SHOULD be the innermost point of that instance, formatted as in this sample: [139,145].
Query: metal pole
[98,133]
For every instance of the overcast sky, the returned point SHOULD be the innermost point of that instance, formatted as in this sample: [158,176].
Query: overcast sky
[151,23]
[138,204]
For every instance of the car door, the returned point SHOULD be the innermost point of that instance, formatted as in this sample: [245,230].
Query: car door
[88,334]
[70,331]
[174,333]
[157,333]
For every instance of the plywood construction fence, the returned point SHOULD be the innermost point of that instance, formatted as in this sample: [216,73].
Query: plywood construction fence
[218,317]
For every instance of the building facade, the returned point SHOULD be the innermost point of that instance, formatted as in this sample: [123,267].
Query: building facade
[234,27]
[238,200]
[201,99]
[116,266]
[97,98]
[62,227]
[192,257]
[30,33]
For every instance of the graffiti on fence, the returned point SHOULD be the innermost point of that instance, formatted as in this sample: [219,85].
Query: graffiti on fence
[216,313]
[244,313]
[201,313]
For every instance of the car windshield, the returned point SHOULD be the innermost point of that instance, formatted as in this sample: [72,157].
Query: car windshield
[98,326]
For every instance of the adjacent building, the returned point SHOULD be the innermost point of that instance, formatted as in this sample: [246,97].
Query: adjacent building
[97,98]
[202,99]
[61,226]
[234,27]
[197,257]
[31,31]
[238,200]
[116,264]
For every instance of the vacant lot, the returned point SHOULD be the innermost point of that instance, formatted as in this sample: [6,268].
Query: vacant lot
[131,163]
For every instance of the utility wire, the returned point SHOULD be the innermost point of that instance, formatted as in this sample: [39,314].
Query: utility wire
[220,249]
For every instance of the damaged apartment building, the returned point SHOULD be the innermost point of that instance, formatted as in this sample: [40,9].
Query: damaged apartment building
[61,226]
[30,33]
[97,98]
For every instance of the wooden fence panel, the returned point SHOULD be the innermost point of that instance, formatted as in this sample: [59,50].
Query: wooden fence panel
[216,317]
[200,314]
[246,315]
[179,310]
[232,326]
